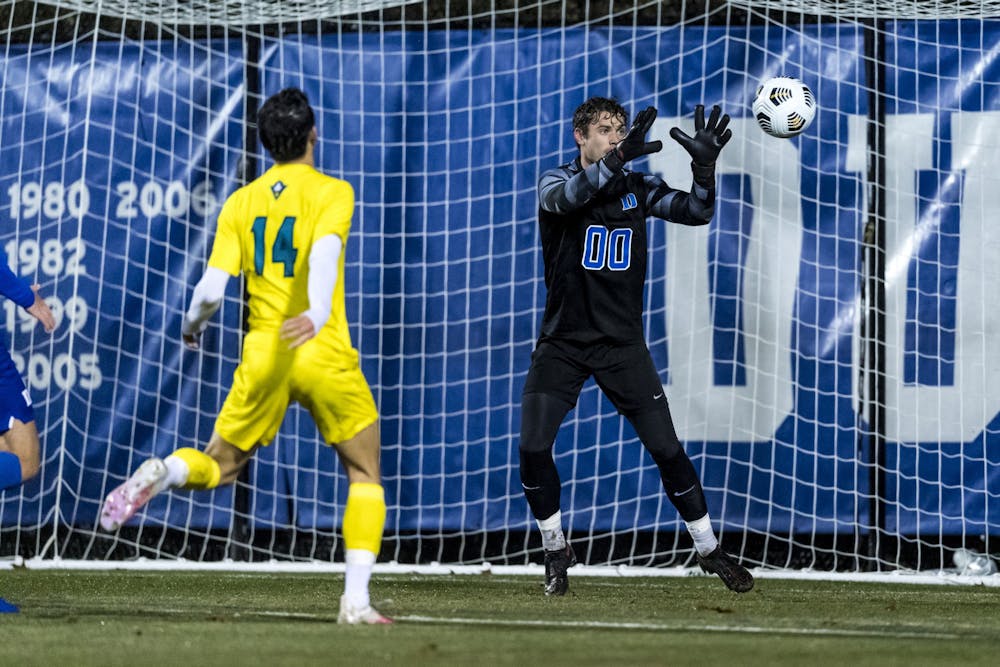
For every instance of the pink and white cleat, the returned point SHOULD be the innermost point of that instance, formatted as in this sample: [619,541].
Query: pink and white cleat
[147,481]
[366,615]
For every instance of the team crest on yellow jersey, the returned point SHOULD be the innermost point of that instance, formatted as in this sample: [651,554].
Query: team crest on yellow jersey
[277,189]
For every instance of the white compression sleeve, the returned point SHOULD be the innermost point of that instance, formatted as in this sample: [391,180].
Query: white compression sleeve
[206,299]
[324,258]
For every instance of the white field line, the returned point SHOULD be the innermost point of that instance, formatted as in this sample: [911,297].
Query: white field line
[683,627]
[917,633]
[275,567]
[616,625]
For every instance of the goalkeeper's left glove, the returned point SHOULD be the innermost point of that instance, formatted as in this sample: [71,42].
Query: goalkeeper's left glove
[706,144]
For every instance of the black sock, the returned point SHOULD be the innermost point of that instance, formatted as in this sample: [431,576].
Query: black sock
[541,484]
[680,481]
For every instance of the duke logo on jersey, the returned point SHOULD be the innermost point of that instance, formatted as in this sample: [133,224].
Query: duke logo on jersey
[629,201]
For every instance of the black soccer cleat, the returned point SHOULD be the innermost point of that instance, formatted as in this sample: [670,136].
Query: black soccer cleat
[556,564]
[734,576]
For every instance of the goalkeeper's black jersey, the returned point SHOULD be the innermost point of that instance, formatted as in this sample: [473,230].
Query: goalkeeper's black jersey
[592,224]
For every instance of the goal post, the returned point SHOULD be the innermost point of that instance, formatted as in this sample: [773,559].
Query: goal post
[825,343]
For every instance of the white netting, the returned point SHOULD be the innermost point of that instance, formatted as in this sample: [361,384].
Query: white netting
[884,9]
[231,12]
[825,343]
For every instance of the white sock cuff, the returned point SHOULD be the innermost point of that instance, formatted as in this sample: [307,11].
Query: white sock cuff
[703,535]
[177,471]
[699,526]
[359,557]
[554,522]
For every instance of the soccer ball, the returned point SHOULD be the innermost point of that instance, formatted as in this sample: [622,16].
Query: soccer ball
[784,106]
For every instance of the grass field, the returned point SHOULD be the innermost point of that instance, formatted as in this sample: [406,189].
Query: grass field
[83,618]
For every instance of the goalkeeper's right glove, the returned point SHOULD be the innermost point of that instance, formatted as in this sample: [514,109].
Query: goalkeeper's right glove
[634,144]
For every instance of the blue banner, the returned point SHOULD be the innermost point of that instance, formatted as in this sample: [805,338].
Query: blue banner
[115,158]
[754,322]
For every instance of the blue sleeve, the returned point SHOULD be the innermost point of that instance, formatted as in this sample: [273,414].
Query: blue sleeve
[16,289]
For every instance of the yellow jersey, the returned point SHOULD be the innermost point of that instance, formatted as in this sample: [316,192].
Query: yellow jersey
[266,230]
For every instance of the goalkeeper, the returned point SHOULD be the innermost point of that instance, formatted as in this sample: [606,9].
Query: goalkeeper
[19,446]
[286,232]
[592,222]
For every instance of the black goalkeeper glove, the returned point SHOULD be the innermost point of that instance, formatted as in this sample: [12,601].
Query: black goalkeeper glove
[706,144]
[634,144]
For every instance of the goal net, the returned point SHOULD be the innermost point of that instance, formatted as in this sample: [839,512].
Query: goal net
[825,343]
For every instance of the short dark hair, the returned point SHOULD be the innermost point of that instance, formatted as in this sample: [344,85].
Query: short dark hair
[284,122]
[590,112]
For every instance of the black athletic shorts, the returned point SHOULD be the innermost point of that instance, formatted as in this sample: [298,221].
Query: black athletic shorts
[625,373]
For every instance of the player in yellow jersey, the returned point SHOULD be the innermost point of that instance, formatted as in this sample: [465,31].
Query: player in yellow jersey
[286,233]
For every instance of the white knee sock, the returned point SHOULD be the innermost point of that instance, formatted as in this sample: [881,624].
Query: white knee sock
[358,572]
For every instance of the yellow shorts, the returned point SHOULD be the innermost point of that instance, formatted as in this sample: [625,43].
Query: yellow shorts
[331,387]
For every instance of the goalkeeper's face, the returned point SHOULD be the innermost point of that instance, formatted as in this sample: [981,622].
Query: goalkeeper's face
[599,137]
